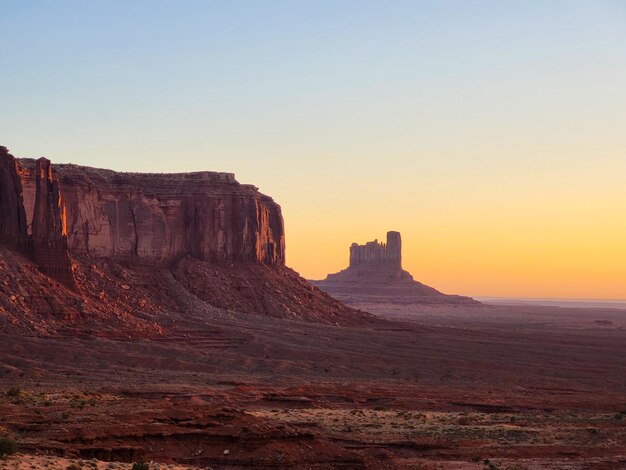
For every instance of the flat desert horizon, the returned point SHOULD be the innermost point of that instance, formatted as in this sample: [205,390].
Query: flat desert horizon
[573,303]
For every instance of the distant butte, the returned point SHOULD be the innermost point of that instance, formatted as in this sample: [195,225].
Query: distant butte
[375,275]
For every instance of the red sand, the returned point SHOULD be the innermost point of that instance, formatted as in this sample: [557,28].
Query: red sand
[449,386]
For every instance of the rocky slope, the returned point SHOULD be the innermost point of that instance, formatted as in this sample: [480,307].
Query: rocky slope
[84,250]
[375,275]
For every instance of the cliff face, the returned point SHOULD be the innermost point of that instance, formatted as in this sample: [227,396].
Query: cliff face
[159,217]
[49,235]
[148,251]
[378,255]
[47,240]
[12,215]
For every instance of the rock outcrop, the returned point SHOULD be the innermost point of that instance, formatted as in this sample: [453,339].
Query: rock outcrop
[148,251]
[378,255]
[375,275]
[12,215]
[46,242]
[49,234]
[160,217]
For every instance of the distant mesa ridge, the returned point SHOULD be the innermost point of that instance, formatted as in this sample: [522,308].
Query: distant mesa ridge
[375,275]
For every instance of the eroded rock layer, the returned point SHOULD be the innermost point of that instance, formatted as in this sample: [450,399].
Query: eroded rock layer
[378,255]
[148,252]
[49,235]
[160,217]
[12,215]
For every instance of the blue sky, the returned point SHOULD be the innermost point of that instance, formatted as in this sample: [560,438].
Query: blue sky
[356,116]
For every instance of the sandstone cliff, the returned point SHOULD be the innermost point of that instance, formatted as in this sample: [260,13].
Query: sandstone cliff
[49,235]
[12,215]
[47,241]
[376,255]
[148,252]
[159,217]
[375,275]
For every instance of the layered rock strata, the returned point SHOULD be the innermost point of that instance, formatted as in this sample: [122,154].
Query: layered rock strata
[378,254]
[46,241]
[12,215]
[160,217]
[49,234]
[148,251]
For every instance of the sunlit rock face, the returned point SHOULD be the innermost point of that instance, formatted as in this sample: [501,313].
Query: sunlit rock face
[49,235]
[375,275]
[44,238]
[143,245]
[12,214]
[159,217]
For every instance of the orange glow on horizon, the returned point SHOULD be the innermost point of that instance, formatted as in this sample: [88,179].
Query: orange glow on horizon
[528,237]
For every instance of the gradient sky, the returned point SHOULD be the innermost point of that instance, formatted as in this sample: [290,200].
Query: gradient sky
[491,134]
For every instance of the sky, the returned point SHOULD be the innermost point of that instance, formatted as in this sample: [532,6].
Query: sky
[491,134]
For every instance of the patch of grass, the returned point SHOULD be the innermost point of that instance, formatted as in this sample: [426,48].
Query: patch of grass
[140,466]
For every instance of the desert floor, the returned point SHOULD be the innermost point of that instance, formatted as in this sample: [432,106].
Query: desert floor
[507,387]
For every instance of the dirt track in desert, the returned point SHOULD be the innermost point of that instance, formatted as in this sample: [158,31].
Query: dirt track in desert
[449,387]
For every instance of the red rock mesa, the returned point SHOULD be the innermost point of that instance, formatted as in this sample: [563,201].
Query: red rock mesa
[143,245]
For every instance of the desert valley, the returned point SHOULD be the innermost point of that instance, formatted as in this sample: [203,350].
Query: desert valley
[150,320]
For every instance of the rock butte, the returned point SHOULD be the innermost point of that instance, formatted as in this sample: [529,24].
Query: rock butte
[375,275]
[128,246]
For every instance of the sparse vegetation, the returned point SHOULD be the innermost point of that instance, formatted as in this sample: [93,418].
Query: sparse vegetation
[140,466]
[487,465]
[14,392]
[7,447]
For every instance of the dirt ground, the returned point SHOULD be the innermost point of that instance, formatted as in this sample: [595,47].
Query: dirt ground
[505,387]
